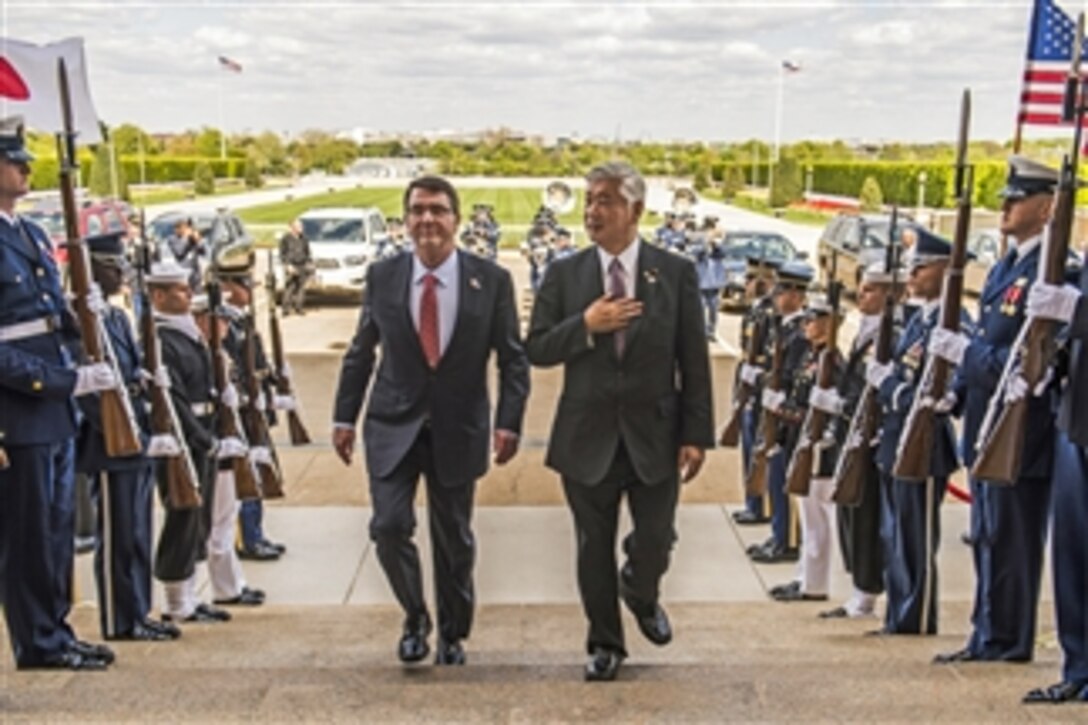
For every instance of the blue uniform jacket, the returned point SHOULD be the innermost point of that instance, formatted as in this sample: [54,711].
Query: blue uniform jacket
[708,262]
[37,375]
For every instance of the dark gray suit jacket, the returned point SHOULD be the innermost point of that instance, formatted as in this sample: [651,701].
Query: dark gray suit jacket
[406,392]
[656,398]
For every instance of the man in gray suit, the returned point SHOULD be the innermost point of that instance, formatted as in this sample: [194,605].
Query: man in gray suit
[625,320]
[438,314]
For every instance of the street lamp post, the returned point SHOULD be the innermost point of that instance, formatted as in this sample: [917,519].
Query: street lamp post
[921,193]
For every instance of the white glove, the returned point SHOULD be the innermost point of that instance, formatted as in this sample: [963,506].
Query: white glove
[284,402]
[93,378]
[230,448]
[261,403]
[96,301]
[826,399]
[1052,302]
[229,396]
[773,399]
[877,372]
[162,377]
[1017,387]
[260,456]
[286,372]
[163,446]
[749,374]
[942,406]
[948,345]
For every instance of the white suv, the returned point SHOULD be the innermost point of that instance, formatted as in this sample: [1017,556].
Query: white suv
[343,242]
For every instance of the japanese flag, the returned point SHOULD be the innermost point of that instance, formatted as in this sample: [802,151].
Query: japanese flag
[29,86]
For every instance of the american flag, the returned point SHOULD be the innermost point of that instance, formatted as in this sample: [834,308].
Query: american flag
[1050,51]
[227,64]
[791,67]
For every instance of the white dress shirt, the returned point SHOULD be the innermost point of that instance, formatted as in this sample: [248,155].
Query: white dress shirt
[628,259]
[448,292]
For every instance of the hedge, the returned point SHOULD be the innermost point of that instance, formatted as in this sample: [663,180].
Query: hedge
[157,170]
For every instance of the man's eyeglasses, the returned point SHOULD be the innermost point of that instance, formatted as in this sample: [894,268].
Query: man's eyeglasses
[436,210]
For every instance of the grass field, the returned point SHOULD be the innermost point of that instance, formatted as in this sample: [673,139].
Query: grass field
[513,207]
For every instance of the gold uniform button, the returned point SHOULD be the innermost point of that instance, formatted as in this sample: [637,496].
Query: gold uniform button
[40,272]
[45,296]
[36,386]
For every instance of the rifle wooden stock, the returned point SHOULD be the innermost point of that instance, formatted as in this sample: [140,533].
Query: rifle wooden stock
[755,483]
[253,418]
[119,429]
[227,423]
[297,430]
[730,435]
[4,462]
[919,431]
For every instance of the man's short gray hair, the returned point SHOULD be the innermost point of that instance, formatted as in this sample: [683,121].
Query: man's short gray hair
[632,185]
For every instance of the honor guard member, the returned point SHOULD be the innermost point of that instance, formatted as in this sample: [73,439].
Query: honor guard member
[234,269]
[1008,523]
[911,516]
[817,510]
[122,485]
[564,244]
[1069,474]
[708,255]
[859,526]
[760,278]
[794,278]
[183,538]
[38,380]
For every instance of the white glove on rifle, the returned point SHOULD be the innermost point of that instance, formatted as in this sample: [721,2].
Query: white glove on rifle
[230,448]
[94,378]
[260,456]
[285,371]
[825,399]
[96,301]
[772,400]
[229,396]
[948,345]
[944,405]
[749,374]
[163,446]
[284,402]
[1052,302]
[261,403]
[1017,388]
[877,372]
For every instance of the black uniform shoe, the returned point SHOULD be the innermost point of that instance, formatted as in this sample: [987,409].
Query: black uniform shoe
[203,614]
[836,613]
[275,546]
[775,555]
[449,653]
[88,650]
[140,633]
[603,665]
[780,589]
[258,552]
[768,543]
[796,595]
[413,645]
[68,660]
[171,631]
[248,598]
[960,655]
[1057,694]
[747,518]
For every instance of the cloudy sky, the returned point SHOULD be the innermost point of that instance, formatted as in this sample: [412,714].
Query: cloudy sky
[871,69]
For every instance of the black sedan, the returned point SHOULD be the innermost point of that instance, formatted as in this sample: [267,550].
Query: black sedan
[739,247]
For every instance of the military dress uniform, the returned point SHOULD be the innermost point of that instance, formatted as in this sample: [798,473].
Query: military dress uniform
[708,256]
[757,320]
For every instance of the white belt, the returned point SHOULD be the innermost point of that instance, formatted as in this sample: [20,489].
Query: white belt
[32,328]
[203,408]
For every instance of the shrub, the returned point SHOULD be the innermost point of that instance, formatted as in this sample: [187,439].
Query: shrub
[788,183]
[870,196]
[203,178]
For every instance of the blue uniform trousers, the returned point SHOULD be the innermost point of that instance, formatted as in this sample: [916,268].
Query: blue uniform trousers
[122,562]
[784,524]
[712,300]
[911,528]
[1008,527]
[251,517]
[1070,555]
[37,511]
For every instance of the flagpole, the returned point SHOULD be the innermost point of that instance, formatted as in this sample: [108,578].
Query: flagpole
[777,127]
[222,129]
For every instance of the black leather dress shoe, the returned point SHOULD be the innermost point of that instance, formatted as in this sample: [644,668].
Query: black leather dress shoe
[796,595]
[89,650]
[68,660]
[651,618]
[449,653]
[1057,694]
[747,518]
[780,589]
[204,613]
[836,613]
[258,552]
[766,544]
[140,633]
[248,598]
[775,555]
[603,665]
[275,546]
[960,655]
[171,631]
[413,645]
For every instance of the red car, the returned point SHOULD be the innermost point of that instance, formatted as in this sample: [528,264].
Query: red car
[95,217]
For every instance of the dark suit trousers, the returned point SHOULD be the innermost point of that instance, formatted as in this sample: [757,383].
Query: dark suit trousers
[37,524]
[1070,556]
[914,534]
[453,545]
[122,561]
[596,509]
[859,536]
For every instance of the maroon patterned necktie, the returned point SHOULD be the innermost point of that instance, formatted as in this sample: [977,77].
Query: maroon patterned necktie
[428,321]
[617,289]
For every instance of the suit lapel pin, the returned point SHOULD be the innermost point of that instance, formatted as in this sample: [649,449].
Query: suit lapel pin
[474,283]
[650,275]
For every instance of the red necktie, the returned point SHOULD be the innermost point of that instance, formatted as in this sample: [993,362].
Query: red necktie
[428,321]
[617,289]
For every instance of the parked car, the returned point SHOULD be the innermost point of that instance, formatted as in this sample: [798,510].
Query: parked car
[984,250]
[343,242]
[853,241]
[95,217]
[740,246]
[218,228]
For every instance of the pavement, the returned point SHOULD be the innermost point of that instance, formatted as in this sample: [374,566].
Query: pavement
[322,649]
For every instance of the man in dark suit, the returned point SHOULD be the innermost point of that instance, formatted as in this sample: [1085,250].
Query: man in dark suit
[625,320]
[438,314]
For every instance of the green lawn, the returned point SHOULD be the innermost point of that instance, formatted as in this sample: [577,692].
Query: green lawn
[512,206]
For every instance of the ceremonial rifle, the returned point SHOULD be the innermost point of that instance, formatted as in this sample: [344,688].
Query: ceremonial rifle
[852,468]
[227,422]
[256,424]
[915,448]
[730,435]
[182,479]
[755,484]
[1001,436]
[119,428]
[799,473]
[299,434]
